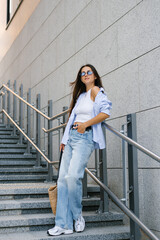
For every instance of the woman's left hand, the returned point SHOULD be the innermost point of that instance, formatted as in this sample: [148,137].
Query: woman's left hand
[81,127]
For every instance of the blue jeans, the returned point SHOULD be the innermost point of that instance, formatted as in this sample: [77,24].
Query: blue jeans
[74,160]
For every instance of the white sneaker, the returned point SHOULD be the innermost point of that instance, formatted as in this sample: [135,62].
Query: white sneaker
[56,231]
[79,224]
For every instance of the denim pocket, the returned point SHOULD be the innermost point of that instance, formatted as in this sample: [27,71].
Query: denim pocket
[80,133]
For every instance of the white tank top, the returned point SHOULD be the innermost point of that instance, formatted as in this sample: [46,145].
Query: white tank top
[84,109]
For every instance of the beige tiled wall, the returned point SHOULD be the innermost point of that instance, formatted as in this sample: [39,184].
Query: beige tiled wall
[122,40]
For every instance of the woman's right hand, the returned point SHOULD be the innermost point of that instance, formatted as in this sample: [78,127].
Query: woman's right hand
[62,147]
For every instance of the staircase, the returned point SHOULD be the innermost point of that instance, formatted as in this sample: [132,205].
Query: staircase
[25,211]
[15,164]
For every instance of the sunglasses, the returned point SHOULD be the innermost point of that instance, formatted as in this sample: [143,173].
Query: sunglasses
[84,73]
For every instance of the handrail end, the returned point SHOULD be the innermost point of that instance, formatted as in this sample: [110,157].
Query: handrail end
[2,86]
[2,93]
[54,162]
[44,130]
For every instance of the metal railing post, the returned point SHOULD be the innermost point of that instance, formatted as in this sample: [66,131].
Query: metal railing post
[104,204]
[133,176]
[50,155]
[38,129]
[124,162]
[65,117]
[8,103]
[28,119]
[14,107]
[84,182]
[96,162]
[3,106]
[104,207]
[21,113]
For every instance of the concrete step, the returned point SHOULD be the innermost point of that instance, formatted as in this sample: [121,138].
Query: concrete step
[25,206]
[4,136]
[24,190]
[14,146]
[34,205]
[2,125]
[12,150]
[22,171]
[23,178]
[16,163]
[17,156]
[5,125]
[33,190]
[93,190]
[4,130]
[91,203]
[15,151]
[34,222]
[8,141]
[96,233]
[20,163]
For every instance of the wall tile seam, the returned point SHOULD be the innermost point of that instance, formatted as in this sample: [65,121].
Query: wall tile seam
[38,31]
[148,109]
[115,168]
[79,49]
[125,64]
[125,115]
[46,106]
[148,168]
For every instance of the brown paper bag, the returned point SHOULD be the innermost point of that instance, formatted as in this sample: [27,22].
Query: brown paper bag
[52,192]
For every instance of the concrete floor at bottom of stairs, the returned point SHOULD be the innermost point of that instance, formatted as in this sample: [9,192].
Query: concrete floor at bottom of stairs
[89,233]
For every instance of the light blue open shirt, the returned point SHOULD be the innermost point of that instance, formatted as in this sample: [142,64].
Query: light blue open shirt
[101,104]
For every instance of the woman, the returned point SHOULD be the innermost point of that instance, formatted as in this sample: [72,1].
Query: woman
[83,133]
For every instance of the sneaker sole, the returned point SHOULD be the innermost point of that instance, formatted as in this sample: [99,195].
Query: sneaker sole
[80,231]
[67,232]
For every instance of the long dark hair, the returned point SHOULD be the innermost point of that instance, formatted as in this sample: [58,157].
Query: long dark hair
[79,87]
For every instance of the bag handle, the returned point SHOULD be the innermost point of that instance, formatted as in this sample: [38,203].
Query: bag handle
[60,157]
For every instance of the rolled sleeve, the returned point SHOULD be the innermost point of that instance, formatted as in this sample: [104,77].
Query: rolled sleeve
[102,103]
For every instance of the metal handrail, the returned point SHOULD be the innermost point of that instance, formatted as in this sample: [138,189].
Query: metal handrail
[37,110]
[132,142]
[55,128]
[60,114]
[125,209]
[34,145]
[129,140]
